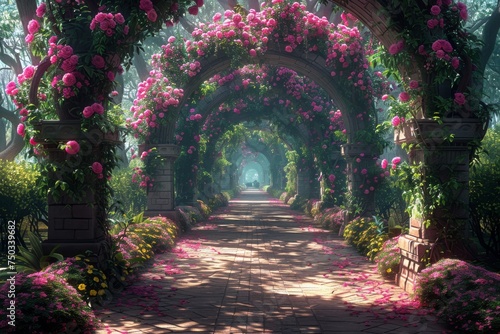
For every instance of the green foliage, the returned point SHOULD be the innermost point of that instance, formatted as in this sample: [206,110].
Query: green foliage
[464,295]
[388,258]
[389,203]
[34,260]
[128,197]
[20,192]
[291,172]
[273,191]
[299,203]
[366,235]
[484,193]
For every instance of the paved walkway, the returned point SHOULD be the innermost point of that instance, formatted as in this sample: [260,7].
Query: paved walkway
[259,267]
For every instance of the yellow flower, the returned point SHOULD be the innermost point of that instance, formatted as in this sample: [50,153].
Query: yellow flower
[96,279]
[89,271]
[91,266]
[78,258]
[103,276]
[82,287]
[101,292]
[93,293]
[389,270]
[104,285]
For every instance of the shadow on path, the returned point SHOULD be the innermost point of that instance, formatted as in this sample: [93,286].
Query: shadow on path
[258,267]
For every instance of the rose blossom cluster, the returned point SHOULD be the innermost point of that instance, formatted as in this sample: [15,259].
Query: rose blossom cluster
[149,112]
[107,22]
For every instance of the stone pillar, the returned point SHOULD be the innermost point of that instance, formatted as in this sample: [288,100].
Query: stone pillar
[75,223]
[441,232]
[360,158]
[161,197]
[303,183]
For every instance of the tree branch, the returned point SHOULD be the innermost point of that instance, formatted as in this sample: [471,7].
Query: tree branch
[490,33]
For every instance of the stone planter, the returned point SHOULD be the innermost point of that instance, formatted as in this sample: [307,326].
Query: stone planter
[428,131]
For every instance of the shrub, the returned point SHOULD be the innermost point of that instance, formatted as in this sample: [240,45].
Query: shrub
[46,303]
[299,203]
[205,210]
[365,234]
[21,199]
[331,219]
[389,258]
[90,282]
[155,232]
[134,249]
[466,296]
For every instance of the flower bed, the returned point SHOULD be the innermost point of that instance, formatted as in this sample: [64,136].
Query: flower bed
[46,303]
[466,296]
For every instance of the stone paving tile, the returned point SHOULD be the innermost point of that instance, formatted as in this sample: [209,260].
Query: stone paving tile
[259,267]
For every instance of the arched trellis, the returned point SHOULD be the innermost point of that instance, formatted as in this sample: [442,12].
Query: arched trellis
[310,65]
[223,93]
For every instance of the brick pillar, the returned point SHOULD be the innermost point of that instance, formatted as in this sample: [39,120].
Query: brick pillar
[75,224]
[161,196]
[444,233]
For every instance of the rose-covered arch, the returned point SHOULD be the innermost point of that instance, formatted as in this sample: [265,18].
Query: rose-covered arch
[332,56]
[306,114]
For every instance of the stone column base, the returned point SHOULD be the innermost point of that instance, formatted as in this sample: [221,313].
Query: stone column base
[414,256]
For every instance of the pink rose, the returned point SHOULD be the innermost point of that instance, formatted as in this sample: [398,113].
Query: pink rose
[432,23]
[435,10]
[455,62]
[97,167]
[33,26]
[72,147]
[69,79]
[152,16]
[28,72]
[119,18]
[384,164]
[331,178]
[40,11]
[98,61]
[460,99]
[146,5]
[395,161]
[413,84]
[404,97]
[385,97]
[87,112]
[111,76]
[193,10]
[395,121]
[288,48]
[21,129]
[29,38]
[97,108]
[65,52]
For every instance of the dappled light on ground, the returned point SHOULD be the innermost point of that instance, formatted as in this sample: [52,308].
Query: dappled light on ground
[258,267]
